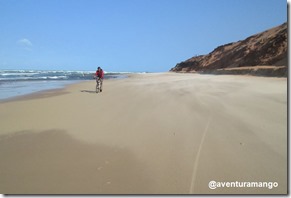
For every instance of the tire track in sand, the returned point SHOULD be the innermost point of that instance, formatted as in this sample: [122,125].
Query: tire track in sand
[196,162]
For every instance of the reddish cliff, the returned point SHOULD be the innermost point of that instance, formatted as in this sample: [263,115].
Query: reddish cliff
[261,54]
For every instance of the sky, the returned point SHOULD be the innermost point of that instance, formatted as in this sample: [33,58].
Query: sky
[125,35]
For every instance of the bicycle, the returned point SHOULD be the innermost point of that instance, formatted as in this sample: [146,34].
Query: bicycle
[98,85]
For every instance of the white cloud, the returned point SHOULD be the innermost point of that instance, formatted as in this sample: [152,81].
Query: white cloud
[25,43]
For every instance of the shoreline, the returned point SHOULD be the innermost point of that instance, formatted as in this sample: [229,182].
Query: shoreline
[36,95]
[28,90]
[62,90]
[15,83]
[156,133]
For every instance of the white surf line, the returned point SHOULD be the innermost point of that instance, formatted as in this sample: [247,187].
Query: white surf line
[195,167]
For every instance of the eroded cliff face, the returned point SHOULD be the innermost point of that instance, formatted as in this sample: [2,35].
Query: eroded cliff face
[268,49]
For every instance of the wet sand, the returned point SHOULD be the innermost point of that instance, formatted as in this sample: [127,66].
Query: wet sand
[162,133]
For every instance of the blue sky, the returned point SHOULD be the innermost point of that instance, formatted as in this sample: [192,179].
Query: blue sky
[125,35]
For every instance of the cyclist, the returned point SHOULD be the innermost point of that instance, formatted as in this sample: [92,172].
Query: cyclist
[100,75]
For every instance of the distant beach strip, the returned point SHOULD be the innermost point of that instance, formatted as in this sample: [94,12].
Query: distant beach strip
[15,83]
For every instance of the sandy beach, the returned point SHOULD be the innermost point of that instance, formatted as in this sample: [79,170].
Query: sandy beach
[161,133]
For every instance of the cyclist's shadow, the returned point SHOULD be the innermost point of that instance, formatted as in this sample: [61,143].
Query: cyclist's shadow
[88,91]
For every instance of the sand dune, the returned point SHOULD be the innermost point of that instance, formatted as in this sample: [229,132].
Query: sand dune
[160,133]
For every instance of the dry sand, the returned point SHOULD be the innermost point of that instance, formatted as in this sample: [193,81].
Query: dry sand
[161,133]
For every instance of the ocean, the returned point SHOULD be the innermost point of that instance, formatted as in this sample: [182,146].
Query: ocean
[15,83]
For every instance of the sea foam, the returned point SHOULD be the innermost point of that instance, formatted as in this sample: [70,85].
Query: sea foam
[20,82]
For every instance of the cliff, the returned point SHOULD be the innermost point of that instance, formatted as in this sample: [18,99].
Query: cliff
[263,54]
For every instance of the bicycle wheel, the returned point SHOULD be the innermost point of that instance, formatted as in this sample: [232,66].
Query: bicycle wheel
[97,87]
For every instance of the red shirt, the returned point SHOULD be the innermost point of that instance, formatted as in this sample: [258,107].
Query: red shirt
[100,73]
